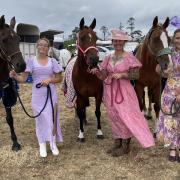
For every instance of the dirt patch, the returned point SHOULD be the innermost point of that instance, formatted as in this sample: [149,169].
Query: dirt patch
[76,161]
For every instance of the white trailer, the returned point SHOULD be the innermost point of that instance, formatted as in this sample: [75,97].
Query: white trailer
[29,34]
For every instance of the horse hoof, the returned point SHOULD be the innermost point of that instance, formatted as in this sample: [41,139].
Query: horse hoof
[81,140]
[16,147]
[154,135]
[148,117]
[100,136]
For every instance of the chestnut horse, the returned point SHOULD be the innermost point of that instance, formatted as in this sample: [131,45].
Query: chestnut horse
[10,58]
[154,49]
[86,84]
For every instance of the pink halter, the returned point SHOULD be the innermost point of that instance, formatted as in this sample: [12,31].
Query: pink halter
[87,49]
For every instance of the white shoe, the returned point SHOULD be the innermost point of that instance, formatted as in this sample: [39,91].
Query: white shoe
[54,150]
[42,149]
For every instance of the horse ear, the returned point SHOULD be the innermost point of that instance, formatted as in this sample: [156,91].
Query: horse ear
[93,24]
[166,23]
[81,24]
[2,22]
[155,21]
[13,22]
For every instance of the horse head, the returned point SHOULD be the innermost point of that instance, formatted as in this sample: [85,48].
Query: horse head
[9,46]
[158,41]
[86,43]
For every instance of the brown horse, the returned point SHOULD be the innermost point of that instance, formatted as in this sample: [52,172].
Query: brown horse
[154,49]
[10,58]
[85,84]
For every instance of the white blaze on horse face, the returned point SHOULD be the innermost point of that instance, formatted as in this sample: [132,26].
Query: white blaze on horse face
[90,37]
[164,40]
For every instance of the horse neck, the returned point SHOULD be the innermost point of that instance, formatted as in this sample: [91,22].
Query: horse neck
[81,62]
[4,71]
[148,60]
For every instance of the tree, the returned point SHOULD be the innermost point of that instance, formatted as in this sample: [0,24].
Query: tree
[74,33]
[104,30]
[121,26]
[131,24]
[137,35]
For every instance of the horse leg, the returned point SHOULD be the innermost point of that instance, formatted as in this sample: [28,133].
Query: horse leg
[143,101]
[81,115]
[149,115]
[98,116]
[139,91]
[16,146]
[156,95]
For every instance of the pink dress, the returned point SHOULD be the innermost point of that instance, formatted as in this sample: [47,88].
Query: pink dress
[122,105]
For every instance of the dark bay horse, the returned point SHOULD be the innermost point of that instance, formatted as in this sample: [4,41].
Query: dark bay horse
[10,58]
[154,50]
[85,84]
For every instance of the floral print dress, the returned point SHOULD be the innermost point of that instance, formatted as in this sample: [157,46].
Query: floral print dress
[168,126]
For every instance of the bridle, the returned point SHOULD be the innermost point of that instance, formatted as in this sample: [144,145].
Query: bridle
[84,51]
[162,52]
[8,58]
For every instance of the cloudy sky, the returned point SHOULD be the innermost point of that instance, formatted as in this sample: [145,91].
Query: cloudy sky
[66,14]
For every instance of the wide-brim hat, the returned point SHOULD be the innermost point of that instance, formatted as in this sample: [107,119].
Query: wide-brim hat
[117,34]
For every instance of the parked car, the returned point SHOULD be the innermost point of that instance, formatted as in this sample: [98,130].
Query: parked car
[111,48]
[130,46]
[103,51]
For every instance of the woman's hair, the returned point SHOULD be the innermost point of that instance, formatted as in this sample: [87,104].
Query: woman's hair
[175,32]
[44,39]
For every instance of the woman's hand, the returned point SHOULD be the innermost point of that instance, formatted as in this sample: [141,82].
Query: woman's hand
[158,69]
[13,74]
[46,82]
[178,98]
[94,71]
[116,76]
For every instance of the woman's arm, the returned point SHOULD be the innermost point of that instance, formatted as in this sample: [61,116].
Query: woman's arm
[19,77]
[56,78]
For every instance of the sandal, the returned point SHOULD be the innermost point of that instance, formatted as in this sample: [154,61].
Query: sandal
[172,158]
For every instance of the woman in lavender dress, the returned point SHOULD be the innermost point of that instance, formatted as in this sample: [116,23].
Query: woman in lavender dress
[46,71]
[168,126]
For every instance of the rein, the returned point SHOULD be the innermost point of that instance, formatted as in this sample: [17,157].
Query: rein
[49,95]
[118,88]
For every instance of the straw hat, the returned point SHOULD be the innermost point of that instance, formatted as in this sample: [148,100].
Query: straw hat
[120,35]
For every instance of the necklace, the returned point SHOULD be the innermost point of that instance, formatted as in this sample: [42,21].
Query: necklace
[115,58]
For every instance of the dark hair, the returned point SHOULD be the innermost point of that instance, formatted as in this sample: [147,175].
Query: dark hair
[175,32]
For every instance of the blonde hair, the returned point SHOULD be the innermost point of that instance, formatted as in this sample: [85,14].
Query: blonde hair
[43,39]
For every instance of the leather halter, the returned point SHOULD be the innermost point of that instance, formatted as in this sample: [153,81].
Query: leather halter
[164,51]
[8,58]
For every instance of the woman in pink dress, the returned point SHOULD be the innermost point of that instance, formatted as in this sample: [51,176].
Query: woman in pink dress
[120,99]
[46,71]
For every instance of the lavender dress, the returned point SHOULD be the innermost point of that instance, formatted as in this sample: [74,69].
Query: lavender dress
[44,123]
[168,127]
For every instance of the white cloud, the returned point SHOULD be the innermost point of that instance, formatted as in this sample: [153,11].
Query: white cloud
[66,14]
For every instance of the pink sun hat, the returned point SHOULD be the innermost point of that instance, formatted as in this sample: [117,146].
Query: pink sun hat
[120,35]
